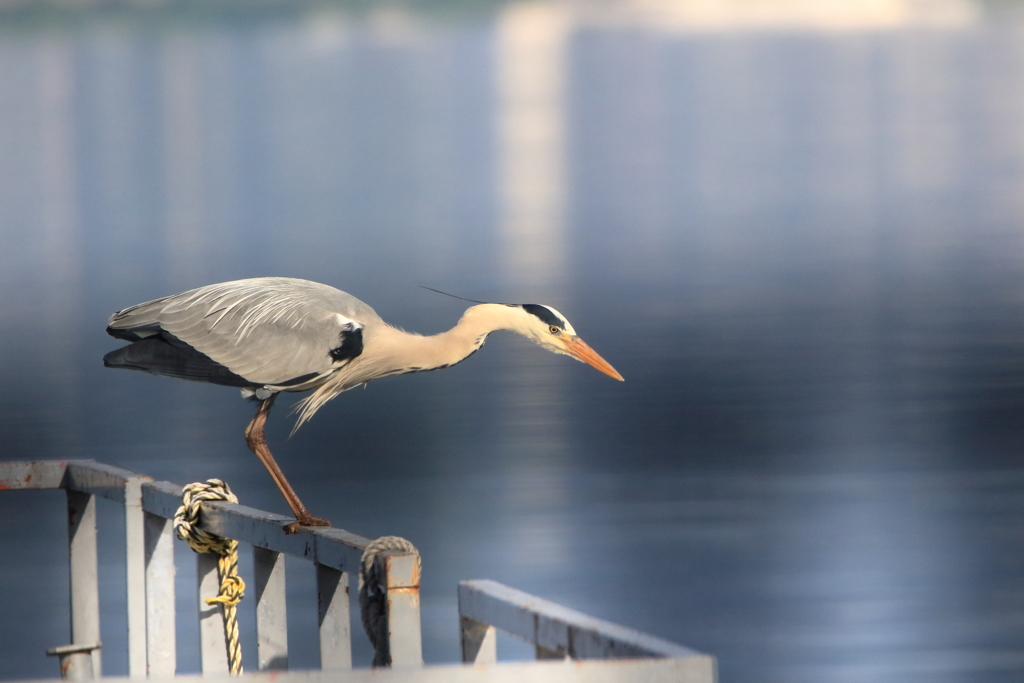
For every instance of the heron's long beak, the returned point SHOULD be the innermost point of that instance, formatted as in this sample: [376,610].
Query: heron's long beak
[577,348]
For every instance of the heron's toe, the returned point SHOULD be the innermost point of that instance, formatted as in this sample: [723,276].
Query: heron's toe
[308,520]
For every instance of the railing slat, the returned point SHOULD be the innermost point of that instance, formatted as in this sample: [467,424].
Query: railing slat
[479,642]
[271,610]
[85,593]
[135,561]
[403,607]
[213,649]
[160,637]
[333,611]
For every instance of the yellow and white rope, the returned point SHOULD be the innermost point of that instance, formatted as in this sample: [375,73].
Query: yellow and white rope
[232,588]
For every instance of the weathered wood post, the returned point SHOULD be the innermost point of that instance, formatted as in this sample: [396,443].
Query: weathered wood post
[135,561]
[479,642]
[332,595]
[161,655]
[213,648]
[85,591]
[402,585]
[271,610]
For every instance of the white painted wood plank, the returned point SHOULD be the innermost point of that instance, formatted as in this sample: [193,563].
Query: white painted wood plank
[332,593]
[102,480]
[404,637]
[695,669]
[328,546]
[213,649]
[161,498]
[271,610]
[85,593]
[87,476]
[135,568]
[507,615]
[339,548]
[557,628]
[544,653]
[161,657]
[42,474]
[402,572]
[553,640]
[479,642]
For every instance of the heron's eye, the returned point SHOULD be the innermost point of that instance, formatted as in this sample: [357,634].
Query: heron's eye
[553,330]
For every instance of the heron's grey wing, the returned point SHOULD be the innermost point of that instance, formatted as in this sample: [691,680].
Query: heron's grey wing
[270,331]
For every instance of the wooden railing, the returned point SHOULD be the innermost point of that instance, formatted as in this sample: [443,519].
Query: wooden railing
[555,631]
[149,508]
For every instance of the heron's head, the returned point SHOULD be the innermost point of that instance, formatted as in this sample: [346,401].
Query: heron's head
[550,329]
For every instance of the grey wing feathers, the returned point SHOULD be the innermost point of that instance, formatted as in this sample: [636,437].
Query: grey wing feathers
[268,331]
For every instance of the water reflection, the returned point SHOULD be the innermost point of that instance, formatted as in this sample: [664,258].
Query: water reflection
[530,112]
[531,47]
[801,248]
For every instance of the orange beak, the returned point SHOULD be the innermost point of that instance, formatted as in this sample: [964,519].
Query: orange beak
[578,349]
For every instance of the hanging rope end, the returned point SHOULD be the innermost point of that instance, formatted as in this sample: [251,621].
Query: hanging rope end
[232,587]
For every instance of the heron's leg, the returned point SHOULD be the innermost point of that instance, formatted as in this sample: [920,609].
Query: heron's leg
[258,444]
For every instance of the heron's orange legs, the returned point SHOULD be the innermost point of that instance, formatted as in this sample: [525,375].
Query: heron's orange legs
[258,445]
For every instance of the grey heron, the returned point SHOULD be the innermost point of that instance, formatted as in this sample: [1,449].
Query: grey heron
[274,334]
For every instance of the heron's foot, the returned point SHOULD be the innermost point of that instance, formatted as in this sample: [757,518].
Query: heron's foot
[308,520]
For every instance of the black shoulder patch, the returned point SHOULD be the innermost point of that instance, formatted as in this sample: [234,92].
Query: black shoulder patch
[545,314]
[351,345]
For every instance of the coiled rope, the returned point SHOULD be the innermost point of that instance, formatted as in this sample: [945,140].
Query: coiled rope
[373,594]
[232,588]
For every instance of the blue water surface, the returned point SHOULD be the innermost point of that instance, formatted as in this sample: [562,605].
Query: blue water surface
[802,249]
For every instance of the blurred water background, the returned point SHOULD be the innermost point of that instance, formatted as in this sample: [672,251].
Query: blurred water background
[796,228]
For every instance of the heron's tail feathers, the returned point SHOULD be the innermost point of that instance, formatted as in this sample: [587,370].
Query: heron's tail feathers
[137,322]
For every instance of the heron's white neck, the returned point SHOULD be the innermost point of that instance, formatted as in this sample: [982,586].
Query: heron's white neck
[412,352]
[394,351]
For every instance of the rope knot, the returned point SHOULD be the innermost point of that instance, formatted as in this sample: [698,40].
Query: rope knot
[232,588]
[186,519]
[373,594]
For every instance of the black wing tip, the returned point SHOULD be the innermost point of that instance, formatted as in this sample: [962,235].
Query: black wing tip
[158,356]
[117,333]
